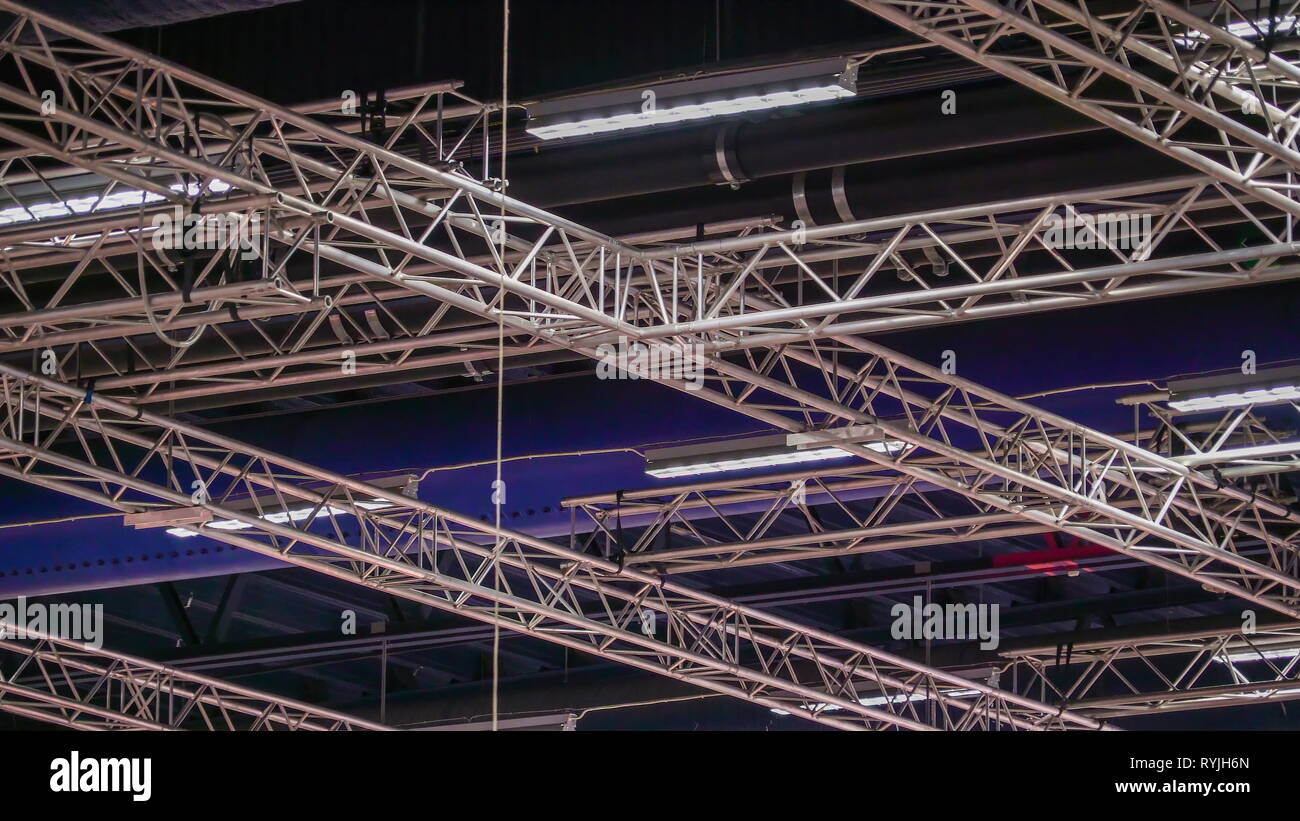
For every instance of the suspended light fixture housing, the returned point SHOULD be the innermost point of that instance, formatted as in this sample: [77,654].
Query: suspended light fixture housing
[1234,391]
[1283,25]
[758,452]
[687,100]
[187,522]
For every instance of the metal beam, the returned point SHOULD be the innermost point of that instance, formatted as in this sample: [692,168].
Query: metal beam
[1145,672]
[1041,467]
[743,519]
[455,563]
[1188,79]
[325,191]
[76,685]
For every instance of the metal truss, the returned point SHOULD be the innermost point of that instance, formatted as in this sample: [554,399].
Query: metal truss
[317,179]
[267,340]
[1039,466]
[1003,455]
[128,105]
[976,262]
[355,318]
[1008,456]
[1235,442]
[59,681]
[329,329]
[1161,672]
[1180,84]
[116,455]
[885,510]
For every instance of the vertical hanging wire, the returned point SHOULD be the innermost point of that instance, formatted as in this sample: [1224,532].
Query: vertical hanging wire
[501,376]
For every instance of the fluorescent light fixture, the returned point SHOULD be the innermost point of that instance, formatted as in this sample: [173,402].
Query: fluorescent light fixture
[122,198]
[1234,391]
[296,515]
[1238,656]
[683,101]
[882,701]
[866,435]
[754,452]
[1246,30]
[1270,693]
[726,464]
[201,517]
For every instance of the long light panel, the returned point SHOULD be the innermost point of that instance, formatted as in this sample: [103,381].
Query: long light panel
[282,517]
[750,453]
[1284,24]
[1239,656]
[687,100]
[97,202]
[200,516]
[1233,391]
[882,701]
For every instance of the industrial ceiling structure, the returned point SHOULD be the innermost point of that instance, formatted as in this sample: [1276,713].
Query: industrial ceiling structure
[500,375]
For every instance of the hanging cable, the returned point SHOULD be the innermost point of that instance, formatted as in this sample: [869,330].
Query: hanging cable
[497,495]
[144,293]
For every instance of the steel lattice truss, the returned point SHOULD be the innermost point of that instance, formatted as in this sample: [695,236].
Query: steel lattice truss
[66,682]
[325,195]
[983,244]
[1179,83]
[886,510]
[128,105]
[1162,672]
[149,125]
[133,461]
[1006,455]
[1036,465]
[973,262]
[1234,442]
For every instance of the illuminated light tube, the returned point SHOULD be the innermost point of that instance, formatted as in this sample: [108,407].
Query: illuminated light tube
[407,484]
[280,518]
[882,701]
[95,203]
[1243,29]
[1237,656]
[1235,391]
[1269,693]
[747,454]
[683,101]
